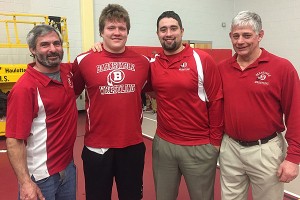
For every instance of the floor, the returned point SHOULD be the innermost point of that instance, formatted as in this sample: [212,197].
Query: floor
[8,182]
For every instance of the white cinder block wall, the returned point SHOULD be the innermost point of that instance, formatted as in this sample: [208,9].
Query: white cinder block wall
[201,19]
[281,23]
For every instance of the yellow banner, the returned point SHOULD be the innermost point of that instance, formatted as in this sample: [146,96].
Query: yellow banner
[11,72]
[12,68]
[8,78]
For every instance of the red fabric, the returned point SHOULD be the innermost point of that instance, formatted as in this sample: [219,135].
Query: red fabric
[189,98]
[256,98]
[50,139]
[113,92]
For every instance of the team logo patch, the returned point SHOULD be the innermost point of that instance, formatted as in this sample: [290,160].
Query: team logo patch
[262,78]
[184,67]
[69,78]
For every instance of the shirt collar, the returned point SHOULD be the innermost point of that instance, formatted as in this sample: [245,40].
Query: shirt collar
[264,57]
[42,78]
[187,51]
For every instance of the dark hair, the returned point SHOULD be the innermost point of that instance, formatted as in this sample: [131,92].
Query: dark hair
[169,14]
[113,12]
[40,30]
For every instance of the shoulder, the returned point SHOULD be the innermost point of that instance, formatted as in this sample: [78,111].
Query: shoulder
[225,63]
[134,55]
[136,59]
[200,52]
[84,55]
[23,88]
[281,60]
[277,61]
[203,56]
[65,67]
[27,79]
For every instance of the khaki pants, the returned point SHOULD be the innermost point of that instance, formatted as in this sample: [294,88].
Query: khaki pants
[256,166]
[197,164]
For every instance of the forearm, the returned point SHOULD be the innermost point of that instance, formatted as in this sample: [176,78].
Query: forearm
[216,121]
[17,155]
[16,151]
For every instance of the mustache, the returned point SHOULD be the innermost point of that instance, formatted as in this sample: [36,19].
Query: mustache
[169,38]
[53,54]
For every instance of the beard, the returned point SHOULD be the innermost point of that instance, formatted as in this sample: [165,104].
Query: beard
[170,47]
[48,63]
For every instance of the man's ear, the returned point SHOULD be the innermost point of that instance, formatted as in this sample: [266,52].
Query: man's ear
[261,35]
[32,51]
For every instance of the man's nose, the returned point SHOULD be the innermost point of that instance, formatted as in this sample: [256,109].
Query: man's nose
[52,47]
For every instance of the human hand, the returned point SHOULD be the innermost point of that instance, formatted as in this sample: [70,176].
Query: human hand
[30,191]
[97,47]
[287,171]
[217,147]
[151,94]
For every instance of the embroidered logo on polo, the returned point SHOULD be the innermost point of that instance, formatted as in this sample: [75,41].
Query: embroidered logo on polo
[184,67]
[69,78]
[115,77]
[262,78]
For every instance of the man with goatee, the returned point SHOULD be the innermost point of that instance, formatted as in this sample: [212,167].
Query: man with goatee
[41,121]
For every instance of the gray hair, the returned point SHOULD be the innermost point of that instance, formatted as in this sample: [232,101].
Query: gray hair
[40,30]
[247,18]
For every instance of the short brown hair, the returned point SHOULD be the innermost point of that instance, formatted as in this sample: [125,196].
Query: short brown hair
[113,12]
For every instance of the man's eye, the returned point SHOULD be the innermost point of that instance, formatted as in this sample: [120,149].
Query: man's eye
[44,44]
[235,37]
[247,36]
[57,43]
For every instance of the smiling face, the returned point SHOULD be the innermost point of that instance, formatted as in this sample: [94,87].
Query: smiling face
[245,40]
[48,51]
[170,35]
[114,36]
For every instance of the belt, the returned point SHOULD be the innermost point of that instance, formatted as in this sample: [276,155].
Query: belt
[257,142]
